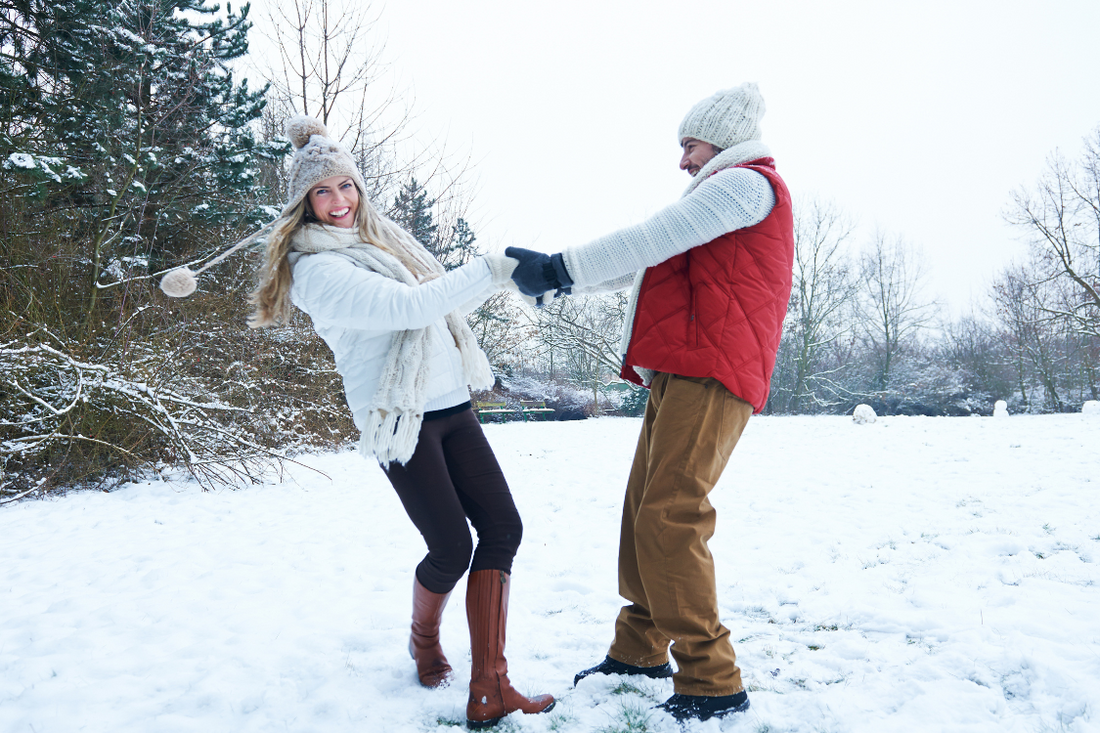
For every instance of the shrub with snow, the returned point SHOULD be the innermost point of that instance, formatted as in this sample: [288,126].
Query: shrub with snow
[863,415]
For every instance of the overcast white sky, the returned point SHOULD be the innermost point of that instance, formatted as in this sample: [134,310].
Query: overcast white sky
[916,118]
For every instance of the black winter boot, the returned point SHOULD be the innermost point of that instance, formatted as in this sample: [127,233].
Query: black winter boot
[701,707]
[613,666]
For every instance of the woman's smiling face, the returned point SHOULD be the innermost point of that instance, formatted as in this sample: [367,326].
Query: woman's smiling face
[334,201]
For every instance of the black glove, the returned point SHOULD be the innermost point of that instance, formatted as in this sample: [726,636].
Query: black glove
[538,272]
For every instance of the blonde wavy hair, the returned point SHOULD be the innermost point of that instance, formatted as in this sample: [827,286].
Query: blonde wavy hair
[271,298]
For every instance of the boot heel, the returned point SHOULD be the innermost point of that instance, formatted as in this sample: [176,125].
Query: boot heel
[480,724]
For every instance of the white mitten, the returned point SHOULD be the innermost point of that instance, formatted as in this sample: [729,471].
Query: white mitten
[502,268]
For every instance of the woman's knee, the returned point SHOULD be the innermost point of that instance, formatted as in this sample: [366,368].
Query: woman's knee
[502,539]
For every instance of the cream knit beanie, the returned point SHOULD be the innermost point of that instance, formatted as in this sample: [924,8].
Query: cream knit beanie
[316,157]
[726,118]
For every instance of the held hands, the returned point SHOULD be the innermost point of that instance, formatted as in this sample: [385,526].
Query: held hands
[539,276]
[502,267]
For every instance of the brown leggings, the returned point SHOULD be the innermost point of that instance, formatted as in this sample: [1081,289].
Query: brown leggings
[454,476]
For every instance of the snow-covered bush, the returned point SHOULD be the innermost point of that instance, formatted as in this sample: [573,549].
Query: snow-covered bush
[863,415]
[65,417]
[568,402]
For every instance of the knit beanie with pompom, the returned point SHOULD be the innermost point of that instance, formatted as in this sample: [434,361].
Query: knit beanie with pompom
[316,157]
[725,118]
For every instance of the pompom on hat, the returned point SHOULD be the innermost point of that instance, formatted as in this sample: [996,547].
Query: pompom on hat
[316,157]
[725,118]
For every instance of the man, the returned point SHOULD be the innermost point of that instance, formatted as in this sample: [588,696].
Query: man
[703,326]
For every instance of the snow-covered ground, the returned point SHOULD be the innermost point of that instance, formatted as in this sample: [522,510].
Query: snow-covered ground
[913,574]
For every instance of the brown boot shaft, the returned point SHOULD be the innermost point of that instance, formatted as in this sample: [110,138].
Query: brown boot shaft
[491,694]
[431,665]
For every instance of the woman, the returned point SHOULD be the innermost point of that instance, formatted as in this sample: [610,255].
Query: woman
[393,319]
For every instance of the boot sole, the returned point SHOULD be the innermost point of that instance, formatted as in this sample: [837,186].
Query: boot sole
[479,724]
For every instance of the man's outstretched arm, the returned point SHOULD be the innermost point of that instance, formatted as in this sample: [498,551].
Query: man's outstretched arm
[729,200]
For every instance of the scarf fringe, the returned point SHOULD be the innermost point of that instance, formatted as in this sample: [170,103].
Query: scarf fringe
[391,436]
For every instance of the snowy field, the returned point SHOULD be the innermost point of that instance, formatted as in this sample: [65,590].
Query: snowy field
[917,574]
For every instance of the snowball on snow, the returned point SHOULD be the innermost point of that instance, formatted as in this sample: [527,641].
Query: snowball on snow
[1000,408]
[863,415]
[1091,407]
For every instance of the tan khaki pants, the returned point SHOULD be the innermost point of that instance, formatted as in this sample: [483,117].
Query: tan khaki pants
[666,570]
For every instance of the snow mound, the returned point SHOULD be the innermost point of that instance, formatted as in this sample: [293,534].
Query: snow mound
[1000,408]
[1091,407]
[863,415]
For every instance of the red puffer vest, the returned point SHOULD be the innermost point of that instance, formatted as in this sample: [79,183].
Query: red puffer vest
[717,310]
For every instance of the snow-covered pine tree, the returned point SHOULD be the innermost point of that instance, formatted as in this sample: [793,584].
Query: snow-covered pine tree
[412,209]
[134,107]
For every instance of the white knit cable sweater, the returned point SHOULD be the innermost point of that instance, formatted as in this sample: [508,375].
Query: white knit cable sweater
[357,312]
[715,203]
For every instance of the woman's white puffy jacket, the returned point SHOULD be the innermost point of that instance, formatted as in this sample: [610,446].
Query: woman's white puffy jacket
[356,312]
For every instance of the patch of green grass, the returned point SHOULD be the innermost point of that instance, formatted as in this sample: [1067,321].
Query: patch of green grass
[627,688]
[815,647]
[451,722]
[830,627]
[631,719]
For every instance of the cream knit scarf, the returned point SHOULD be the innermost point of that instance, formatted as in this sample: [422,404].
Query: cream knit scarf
[728,158]
[393,421]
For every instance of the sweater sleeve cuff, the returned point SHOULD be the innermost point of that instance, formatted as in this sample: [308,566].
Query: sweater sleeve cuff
[560,273]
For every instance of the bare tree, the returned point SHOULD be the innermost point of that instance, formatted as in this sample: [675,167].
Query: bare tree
[501,329]
[823,286]
[586,332]
[892,308]
[1061,219]
[975,346]
[329,65]
[1023,306]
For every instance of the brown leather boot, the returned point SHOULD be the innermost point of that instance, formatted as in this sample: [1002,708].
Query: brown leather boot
[491,694]
[431,665]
